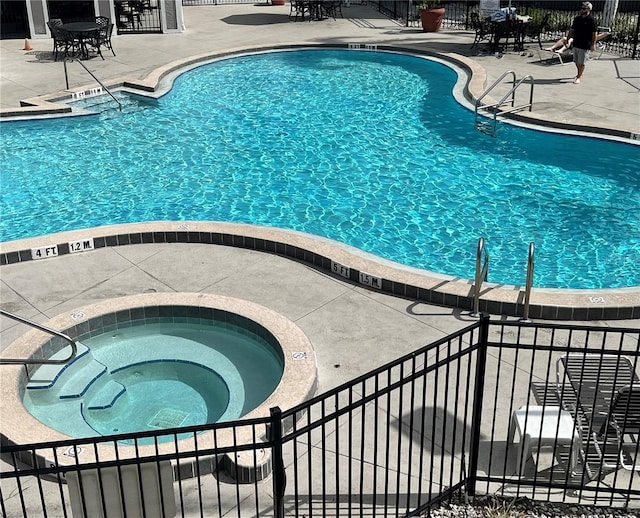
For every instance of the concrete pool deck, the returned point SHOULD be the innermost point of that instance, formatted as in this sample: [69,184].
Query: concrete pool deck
[344,321]
[353,329]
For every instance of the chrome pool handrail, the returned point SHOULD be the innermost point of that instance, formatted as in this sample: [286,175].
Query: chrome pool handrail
[66,77]
[529,283]
[481,275]
[18,361]
[508,98]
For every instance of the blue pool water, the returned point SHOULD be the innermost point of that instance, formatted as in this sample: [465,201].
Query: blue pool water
[157,376]
[367,148]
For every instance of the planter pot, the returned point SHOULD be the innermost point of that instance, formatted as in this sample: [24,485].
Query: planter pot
[431,19]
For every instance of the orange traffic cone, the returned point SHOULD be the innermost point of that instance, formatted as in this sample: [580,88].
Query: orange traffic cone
[26,45]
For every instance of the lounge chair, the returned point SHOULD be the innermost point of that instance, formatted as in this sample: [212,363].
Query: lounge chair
[603,32]
[602,392]
[623,423]
[563,55]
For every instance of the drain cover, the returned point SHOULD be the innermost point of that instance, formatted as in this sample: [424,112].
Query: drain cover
[167,418]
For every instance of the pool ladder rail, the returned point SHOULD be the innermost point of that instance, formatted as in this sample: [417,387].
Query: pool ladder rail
[39,361]
[104,88]
[482,271]
[496,109]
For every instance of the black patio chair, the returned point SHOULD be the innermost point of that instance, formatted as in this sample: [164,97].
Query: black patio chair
[53,24]
[126,14]
[331,8]
[62,40]
[482,28]
[299,8]
[102,21]
[102,38]
[533,31]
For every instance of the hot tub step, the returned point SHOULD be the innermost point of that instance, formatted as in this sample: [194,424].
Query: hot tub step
[106,396]
[82,380]
[47,375]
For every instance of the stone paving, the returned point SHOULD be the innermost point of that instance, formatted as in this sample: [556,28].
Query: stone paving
[344,322]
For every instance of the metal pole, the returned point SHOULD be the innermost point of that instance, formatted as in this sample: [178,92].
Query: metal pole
[66,74]
[609,13]
[529,283]
[635,42]
[279,474]
[481,364]
[481,275]
[40,327]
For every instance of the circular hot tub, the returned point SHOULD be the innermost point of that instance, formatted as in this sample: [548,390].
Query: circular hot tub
[165,367]
[152,362]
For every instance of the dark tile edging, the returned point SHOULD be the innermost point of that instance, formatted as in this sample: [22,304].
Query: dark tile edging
[428,295]
[161,313]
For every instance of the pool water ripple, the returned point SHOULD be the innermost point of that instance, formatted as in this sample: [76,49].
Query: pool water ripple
[365,148]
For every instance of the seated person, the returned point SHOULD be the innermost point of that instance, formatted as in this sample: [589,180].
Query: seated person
[566,42]
[501,14]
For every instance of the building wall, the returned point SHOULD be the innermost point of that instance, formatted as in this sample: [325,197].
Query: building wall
[38,15]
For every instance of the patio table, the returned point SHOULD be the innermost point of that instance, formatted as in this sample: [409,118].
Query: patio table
[512,28]
[82,31]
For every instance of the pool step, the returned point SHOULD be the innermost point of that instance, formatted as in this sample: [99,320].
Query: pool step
[106,396]
[104,104]
[47,375]
[82,379]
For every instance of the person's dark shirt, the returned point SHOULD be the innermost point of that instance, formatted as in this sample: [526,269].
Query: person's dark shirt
[583,29]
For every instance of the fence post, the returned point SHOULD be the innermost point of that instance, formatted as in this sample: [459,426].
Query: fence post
[635,41]
[279,474]
[481,363]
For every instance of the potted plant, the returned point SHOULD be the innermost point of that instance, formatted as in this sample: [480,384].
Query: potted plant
[431,14]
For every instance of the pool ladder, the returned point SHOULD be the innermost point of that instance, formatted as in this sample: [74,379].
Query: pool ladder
[18,361]
[482,270]
[496,109]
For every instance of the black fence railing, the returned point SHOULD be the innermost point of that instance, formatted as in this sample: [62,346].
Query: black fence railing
[625,28]
[138,16]
[550,412]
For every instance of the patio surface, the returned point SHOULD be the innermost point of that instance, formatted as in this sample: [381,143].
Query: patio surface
[344,322]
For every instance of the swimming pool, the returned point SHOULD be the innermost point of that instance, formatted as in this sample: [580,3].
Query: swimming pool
[367,148]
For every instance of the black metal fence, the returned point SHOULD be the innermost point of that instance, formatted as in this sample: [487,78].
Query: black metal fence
[625,28]
[138,16]
[448,418]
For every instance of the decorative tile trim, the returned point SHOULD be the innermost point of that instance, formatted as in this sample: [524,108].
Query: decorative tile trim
[319,252]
